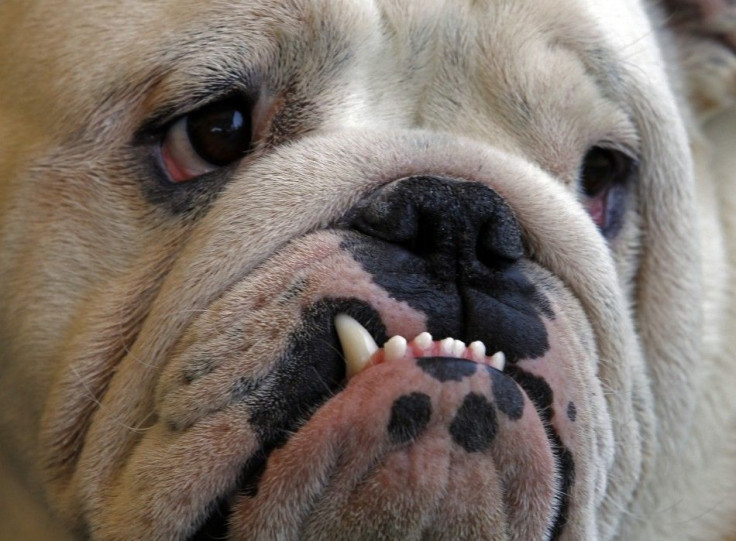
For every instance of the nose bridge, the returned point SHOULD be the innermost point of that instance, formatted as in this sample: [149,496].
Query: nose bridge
[454,225]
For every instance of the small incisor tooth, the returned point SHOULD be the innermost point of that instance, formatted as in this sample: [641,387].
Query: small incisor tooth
[498,361]
[395,348]
[423,340]
[446,345]
[458,348]
[478,349]
[357,344]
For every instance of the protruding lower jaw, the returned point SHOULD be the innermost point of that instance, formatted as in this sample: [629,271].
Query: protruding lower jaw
[360,349]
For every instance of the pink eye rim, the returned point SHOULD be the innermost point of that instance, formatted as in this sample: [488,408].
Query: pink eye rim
[606,177]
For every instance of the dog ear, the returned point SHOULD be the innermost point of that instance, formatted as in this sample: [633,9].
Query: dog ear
[705,38]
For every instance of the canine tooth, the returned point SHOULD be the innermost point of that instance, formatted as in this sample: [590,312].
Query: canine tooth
[446,345]
[498,361]
[395,348]
[357,343]
[478,350]
[423,340]
[458,348]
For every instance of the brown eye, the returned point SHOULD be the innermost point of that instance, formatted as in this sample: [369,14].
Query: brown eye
[604,178]
[212,137]
[602,168]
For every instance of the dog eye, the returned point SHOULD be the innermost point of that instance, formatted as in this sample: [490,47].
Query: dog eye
[604,178]
[207,139]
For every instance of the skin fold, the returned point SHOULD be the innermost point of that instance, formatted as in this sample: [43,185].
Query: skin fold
[169,358]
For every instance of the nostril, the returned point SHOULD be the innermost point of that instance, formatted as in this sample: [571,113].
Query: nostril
[425,240]
[499,240]
[451,224]
[390,219]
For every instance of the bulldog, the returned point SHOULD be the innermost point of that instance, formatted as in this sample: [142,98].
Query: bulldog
[349,269]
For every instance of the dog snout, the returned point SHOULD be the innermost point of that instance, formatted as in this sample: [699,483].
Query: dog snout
[453,251]
[453,225]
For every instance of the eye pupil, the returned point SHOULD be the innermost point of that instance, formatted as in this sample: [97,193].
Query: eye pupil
[601,168]
[220,133]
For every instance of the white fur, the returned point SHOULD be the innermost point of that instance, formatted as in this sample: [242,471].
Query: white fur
[98,286]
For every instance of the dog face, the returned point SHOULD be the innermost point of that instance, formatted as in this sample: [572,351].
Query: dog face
[215,212]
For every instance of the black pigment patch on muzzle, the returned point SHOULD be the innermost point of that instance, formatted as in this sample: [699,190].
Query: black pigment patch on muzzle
[542,395]
[309,372]
[452,250]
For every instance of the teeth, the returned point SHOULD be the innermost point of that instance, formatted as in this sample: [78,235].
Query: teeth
[357,343]
[395,348]
[424,340]
[458,348]
[358,346]
[478,349]
[498,361]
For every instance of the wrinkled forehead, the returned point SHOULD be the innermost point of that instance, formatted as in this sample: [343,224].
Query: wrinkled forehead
[70,50]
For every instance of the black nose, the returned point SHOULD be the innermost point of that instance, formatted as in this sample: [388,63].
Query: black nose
[453,251]
[453,225]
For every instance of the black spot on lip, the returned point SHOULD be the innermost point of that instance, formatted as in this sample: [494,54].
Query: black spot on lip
[540,393]
[447,368]
[409,417]
[507,394]
[309,371]
[475,425]
[572,411]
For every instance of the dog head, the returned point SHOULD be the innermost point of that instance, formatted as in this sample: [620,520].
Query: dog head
[214,213]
